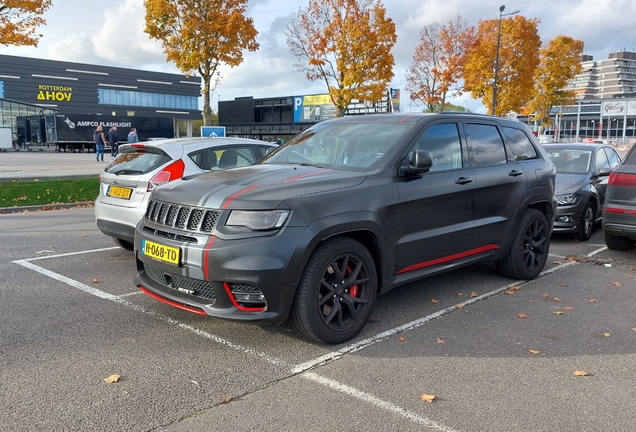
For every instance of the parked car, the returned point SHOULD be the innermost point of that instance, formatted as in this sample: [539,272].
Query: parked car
[347,210]
[583,170]
[126,182]
[619,211]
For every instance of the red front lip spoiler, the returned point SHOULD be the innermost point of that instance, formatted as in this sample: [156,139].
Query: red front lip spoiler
[193,309]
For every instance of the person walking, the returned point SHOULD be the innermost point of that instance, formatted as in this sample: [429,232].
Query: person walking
[132,136]
[100,142]
[113,141]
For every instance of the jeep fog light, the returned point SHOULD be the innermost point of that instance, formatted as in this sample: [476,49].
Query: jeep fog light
[258,220]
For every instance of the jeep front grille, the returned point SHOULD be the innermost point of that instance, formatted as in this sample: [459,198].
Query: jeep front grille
[196,287]
[182,217]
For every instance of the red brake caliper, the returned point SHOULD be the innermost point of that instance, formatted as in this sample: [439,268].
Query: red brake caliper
[353,291]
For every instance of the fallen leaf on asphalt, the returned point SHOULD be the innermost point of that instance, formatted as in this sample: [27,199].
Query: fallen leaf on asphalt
[440,341]
[226,400]
[571,258]
[618,284]
[568,308]
[428,398]
[522,315]
[535,352]
[459,306]
[84,235]
[557,262]
[556,299]
[402,338]
[112,379]
[606,334]
[95,280]
[515,288]
[592,301]
[563,285]
[558,313]
[545,295]
[634,329]
[473,294]
[630,276]
[434,301]
[460,294]
[580,373]
[509,292]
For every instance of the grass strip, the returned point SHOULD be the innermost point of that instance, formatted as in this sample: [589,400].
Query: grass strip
[44,192]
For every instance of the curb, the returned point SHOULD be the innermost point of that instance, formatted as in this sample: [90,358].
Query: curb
[27,209]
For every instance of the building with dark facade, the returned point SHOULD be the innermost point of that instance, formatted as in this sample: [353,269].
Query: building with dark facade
[81,89]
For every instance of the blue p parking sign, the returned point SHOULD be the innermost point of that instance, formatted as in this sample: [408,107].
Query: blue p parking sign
[213,131]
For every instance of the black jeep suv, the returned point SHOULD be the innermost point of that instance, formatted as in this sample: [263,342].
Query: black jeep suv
[347,210]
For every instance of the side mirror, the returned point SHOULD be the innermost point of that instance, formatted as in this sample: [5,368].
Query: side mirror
[603,172]
[420,162]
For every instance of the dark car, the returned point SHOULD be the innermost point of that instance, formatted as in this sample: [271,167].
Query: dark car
[347,210]
[582,173]
[619,211]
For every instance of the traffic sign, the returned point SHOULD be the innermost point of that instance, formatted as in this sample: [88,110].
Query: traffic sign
[213,131]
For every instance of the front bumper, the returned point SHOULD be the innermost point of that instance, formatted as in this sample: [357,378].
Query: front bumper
[568,218]
[212,270]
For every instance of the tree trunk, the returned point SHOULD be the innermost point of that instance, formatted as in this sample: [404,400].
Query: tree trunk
[207,110]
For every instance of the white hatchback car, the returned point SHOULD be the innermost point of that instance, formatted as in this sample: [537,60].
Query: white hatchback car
[126,182]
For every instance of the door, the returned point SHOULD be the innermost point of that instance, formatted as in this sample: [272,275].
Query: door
[435,213]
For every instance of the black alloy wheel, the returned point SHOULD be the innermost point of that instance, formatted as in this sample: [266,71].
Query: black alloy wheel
[337,292]
[529,251]
[586,225]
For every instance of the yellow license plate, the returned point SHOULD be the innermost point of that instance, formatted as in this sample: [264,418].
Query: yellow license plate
[119,192]
[160,252]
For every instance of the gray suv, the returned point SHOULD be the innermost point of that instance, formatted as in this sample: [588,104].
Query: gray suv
[345,211]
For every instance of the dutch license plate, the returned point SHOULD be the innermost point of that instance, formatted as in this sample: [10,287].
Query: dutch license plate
[160,252]
[119,192]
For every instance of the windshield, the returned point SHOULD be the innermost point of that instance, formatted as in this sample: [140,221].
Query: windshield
[570,161]
[341,145]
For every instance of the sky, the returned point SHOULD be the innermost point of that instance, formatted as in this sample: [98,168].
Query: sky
[110,33]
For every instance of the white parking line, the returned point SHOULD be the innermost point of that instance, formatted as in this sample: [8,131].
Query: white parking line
[120,300]
[334,355]
[350,391]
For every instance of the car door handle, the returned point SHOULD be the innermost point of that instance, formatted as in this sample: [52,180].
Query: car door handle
[463,180]
[515,173]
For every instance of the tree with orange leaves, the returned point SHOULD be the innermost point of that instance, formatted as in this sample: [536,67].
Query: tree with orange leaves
[201,35]
[518,61]
[346,43]
[19,19]
[438,62]
[559,63]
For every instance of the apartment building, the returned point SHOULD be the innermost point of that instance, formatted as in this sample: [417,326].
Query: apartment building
[614,77]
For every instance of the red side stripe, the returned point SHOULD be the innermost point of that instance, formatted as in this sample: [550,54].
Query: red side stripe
[229,200]
[407,117]
[448,258]
[236,305]
[172,303]
[205,258]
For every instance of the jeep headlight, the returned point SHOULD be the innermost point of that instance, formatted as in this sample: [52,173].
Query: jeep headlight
[569,199]
[258,220]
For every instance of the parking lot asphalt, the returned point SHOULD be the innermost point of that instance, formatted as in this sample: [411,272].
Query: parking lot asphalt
[70,317]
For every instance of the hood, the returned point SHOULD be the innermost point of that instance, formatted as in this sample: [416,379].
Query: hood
[570,183]
[255,187]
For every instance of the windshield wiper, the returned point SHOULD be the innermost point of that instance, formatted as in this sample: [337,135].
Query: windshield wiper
[128,171]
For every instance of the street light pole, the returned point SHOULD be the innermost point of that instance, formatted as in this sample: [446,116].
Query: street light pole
[494,87]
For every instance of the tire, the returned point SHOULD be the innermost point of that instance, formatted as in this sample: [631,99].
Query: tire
[586,224]
[326,309]
[619,243]
[124,244]
[529,251]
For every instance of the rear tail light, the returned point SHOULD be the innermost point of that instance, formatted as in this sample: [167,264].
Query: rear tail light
[621,179]
[172,172]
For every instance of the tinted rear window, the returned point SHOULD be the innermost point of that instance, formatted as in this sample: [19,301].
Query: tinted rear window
[520,145]
[487,145]
[138,162]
